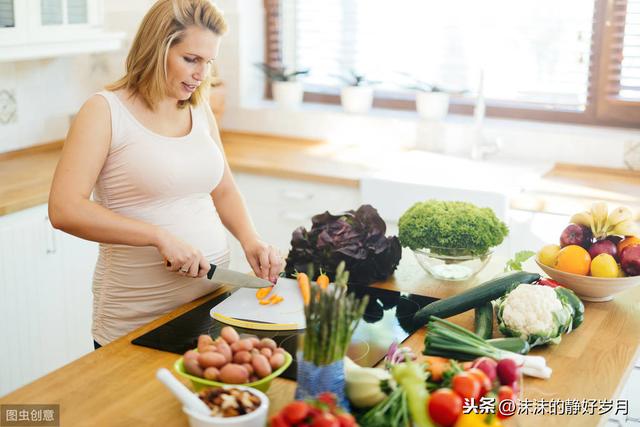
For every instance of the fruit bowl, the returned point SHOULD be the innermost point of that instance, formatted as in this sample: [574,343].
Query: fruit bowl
[262,384]
[452,266]
[589,288]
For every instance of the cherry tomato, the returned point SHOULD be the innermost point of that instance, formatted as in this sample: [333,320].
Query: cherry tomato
[444,406]
[466,385]
[296,411]
[505,410]
[483,379]
[346,420]
[325,419]
[327,398]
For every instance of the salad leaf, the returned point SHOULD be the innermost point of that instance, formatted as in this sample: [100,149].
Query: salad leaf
[356,237]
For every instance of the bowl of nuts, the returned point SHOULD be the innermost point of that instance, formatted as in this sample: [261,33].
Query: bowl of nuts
[236,406]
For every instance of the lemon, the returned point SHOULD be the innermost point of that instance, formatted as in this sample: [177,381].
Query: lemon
[604,265]
[548,255]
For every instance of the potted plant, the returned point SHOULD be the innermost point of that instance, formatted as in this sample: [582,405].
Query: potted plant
[432,101]
[357,96]
[286,89]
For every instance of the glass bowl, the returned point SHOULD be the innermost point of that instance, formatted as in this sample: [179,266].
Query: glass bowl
[451,264]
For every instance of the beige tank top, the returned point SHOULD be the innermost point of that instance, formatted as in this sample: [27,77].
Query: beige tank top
[164,181]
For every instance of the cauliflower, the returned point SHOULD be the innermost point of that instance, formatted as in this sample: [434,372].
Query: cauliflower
[534,313]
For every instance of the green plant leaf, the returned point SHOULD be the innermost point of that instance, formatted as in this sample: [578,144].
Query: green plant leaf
[515,264]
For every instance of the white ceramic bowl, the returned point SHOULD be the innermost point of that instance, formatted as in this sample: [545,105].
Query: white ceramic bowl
[257,418]
[589,288]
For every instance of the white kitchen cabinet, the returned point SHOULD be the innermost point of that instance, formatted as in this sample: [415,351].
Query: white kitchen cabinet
[278,206]
[33,29]
[45,297]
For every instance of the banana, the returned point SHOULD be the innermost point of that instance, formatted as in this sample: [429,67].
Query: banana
[616,216]
[583,218]
[626,228]
[599,211]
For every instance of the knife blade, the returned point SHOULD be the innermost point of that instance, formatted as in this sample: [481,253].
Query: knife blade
[225,276]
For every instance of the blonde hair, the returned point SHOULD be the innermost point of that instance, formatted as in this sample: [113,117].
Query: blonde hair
[162,26]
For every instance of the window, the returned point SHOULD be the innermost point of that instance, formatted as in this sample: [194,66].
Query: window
[7,18]
[59,12]
[574,60]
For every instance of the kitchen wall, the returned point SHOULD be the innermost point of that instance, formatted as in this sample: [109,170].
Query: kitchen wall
[47,92]
[38,97]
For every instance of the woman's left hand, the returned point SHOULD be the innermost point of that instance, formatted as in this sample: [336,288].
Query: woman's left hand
[264,259]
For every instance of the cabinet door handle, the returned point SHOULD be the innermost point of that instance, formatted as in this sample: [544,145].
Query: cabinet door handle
[297,195]
[52,246]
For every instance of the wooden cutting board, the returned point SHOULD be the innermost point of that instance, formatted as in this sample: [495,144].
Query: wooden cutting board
[243,309]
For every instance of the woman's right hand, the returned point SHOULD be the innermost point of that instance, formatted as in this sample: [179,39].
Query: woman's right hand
[180,256]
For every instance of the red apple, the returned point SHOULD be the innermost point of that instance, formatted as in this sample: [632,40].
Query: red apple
[630,260]
[576,234]
[615,239]
[605,246]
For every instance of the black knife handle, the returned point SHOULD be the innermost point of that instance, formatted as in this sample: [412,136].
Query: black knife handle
[211,271]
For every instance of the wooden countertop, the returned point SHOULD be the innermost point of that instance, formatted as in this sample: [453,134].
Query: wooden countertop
[116,385]
[25,176]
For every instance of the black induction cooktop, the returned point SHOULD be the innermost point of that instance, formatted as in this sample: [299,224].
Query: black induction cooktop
[387,318]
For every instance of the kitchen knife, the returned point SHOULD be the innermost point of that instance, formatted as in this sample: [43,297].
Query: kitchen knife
[225,276]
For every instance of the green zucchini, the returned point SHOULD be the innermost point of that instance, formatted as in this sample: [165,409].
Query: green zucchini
[513,344]
[474,297]
[575,303]
[483,320]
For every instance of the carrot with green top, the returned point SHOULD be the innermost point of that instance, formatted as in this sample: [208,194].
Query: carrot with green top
[305,287]
[323,280]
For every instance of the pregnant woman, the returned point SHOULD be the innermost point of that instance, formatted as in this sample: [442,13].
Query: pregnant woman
[149,150]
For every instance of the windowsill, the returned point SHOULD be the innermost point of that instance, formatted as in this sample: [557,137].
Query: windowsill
[94,42]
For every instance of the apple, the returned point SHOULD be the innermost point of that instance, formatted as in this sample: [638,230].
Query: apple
[604,246]
[576,234]
[630,260]
[615,239]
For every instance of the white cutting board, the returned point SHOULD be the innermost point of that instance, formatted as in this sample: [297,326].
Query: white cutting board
[243,309]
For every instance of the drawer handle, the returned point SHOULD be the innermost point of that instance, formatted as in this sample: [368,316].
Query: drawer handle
[297,195]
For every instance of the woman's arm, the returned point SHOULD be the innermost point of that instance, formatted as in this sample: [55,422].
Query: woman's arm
[70,209]
[264,259]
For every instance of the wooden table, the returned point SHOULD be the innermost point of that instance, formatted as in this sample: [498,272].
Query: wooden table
[116,385]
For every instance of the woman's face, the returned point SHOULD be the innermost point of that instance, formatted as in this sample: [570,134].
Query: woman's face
[189,61]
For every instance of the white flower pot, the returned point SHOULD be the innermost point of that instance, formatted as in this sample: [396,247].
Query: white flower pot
[356,99]
[288,95]
[432,105]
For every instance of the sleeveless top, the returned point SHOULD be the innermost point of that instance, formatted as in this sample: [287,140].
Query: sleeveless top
[165,181]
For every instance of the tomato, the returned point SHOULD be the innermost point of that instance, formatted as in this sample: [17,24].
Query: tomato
[444,406]
[346,420]
[466,385]
[296,411]
[325,419]
[327,398]
[505,410]
[278,420]
[483,379]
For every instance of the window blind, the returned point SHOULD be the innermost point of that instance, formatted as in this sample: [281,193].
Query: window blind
[6,14]
[529,52]
[624,77]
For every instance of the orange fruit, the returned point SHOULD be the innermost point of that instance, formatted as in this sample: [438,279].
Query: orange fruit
[626,242]
[573,259]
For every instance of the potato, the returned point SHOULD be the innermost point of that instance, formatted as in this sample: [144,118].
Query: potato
[242,357]
[211,358]
[209,348]
[211,373]
[276,361]
[279,350]
[229,334]
[255,341]
[261,365]
[232,373]
[266,352]
[248,367]
[191,354]
[268,343]
[191,366]
[244,344]
[225,350]
[203,341]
